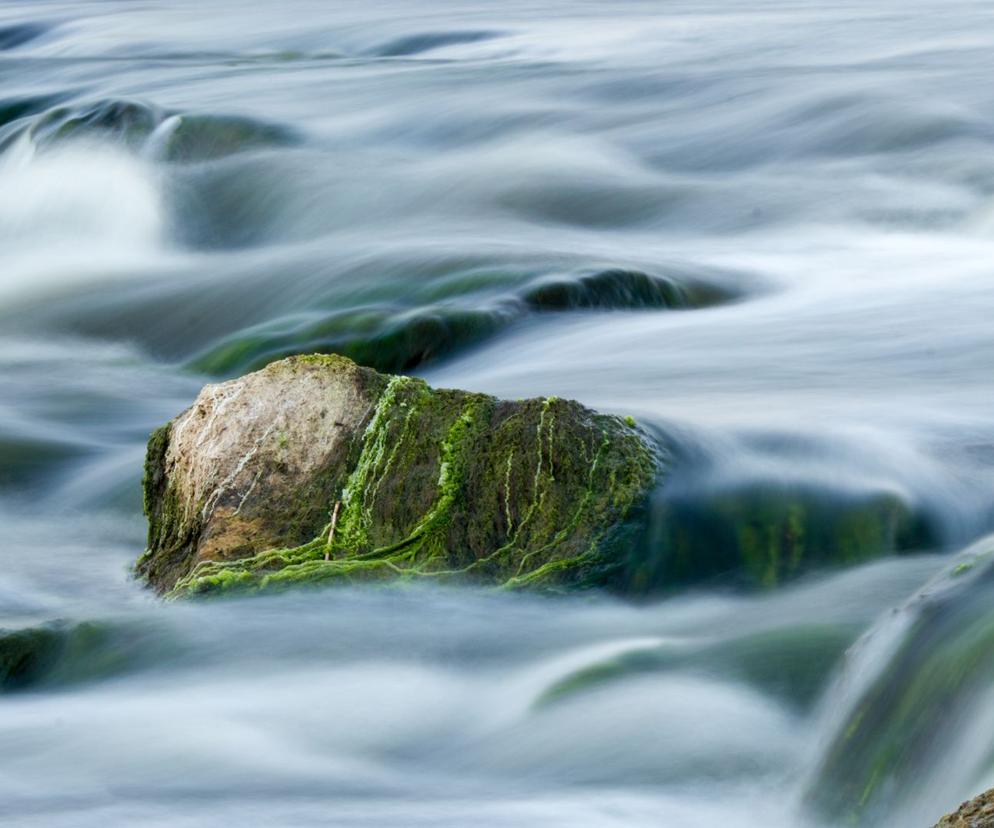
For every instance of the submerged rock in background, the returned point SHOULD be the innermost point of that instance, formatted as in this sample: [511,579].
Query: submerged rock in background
[618,289]
[315,469]
[791,665]
[763,534]
[27,654]
[382,339]
[395,339]
[977,813]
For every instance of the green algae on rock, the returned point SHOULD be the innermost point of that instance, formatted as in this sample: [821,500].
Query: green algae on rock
[316,470]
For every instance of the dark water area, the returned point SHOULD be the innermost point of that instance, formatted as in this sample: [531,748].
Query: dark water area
[765,230]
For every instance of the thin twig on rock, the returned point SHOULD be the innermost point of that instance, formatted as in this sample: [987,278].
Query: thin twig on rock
[331,530]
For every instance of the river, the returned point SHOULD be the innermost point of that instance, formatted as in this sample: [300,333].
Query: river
[189,189]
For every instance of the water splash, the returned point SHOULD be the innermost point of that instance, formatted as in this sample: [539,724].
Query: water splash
[74,214]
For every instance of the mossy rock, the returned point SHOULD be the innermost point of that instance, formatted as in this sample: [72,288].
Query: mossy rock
[977,813]
[316,470]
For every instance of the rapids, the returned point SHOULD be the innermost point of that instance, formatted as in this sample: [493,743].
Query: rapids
[799,198]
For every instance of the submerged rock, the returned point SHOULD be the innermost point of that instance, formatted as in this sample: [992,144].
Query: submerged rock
[617,289]
[391,338]
[315,469]
[791,665]
[977,813]
[382,339]
[762,534]
[59,653]
[26,655]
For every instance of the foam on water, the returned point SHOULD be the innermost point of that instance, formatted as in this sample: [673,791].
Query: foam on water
[74,214]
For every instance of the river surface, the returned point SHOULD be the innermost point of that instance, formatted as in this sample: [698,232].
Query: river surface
[188,189]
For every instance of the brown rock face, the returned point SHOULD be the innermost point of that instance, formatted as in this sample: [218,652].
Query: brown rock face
[253,463]
[977,813]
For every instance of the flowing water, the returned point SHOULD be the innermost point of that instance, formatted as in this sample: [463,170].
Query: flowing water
[190,189]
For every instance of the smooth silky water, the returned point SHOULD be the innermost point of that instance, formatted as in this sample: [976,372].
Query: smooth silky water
[829,166]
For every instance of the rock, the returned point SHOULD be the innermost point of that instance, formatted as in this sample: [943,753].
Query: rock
[314,469]
[977,813]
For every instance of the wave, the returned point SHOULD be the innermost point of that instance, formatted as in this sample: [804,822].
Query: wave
[906,728]
[410,45]
[13,36]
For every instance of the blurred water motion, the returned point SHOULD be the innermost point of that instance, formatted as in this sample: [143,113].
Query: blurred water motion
[798,198]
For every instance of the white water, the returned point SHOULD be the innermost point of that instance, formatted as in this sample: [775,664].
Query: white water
[831,161]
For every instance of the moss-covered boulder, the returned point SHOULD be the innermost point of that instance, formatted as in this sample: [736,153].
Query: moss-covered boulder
[977,813]
[315,469]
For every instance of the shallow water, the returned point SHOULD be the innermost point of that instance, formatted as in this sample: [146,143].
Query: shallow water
[301,174]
